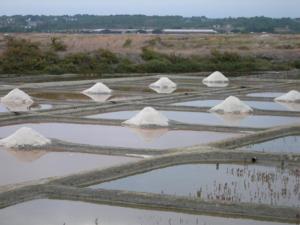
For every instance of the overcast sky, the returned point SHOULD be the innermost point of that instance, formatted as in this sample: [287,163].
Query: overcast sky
[209,8]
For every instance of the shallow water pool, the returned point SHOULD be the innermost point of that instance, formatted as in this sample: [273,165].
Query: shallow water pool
[18,166]
[59,212]
[283,145]
[266,94]
[254,104]
[118,136]
[210,118]
[225,183]
[77,96]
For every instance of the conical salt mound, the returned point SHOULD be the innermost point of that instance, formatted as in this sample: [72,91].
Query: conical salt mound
[17,97]
[163,82]
[292,96]
[159,90]
[216,77]
[98,97]
[98,88]
[231,105]
[148,117]
[24,137]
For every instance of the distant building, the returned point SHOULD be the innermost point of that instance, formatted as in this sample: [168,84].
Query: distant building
[189,31]
[150,31]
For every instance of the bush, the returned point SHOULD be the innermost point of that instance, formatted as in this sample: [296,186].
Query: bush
[156,66]
[148,54]
[105,56]
[297,64]
[57,45]
[54,69]
[127,43]
[22,56]
[126,66]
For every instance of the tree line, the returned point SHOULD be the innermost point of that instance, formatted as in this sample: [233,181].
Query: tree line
[35,23]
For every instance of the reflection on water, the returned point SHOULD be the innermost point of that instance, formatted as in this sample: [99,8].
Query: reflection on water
[266,94]
[118,136]
[224,183]
[253,104]
[230,119]
[207,118]
[59,212]
[148,134]
[23,165]
[26,156]
[216,84]
[290,106]
[283,145]
[141,88]
[60,96]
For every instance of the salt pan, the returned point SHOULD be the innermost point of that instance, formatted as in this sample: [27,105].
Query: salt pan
[231,105]
[160,90]
[163,82]
[98,97]
[292,96]
[24,137]
[98,88]
[216,77]
[17,100]
[148,117]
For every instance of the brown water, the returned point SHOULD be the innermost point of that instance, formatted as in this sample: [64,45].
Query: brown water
[118,136]
[60,95]
[210,118]
[59,212]
[18,166]
[143,88]
[224,183]
[77,96]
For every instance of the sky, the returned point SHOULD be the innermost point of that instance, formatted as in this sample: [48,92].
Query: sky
[209,8]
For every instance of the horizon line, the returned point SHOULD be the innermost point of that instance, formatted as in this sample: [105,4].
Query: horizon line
[84,14]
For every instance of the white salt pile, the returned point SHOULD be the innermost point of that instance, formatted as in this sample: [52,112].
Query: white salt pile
[98,88]
[148,117]
[231,105]
[163,82]
[292,96]
[24,137]
[98,97]
[216,77]
[159,90]
[17,100]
